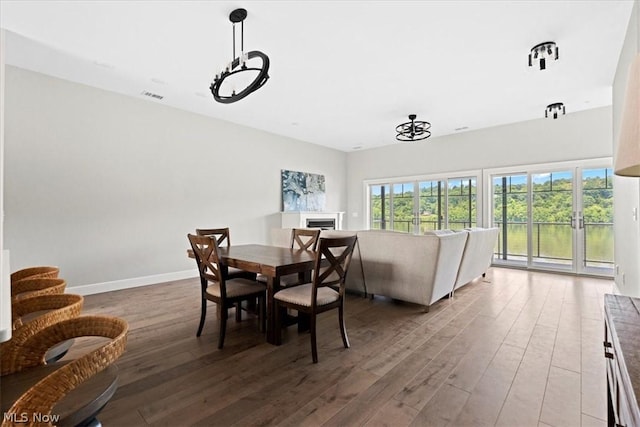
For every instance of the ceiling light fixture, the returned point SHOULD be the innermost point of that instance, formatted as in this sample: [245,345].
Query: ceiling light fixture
[413,130]
[237,72]
[541,52]
[554,109]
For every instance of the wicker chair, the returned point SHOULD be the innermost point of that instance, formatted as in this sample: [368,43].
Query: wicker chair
[34,272]
[33,287]
[30,316]
[89,381]
[325,292]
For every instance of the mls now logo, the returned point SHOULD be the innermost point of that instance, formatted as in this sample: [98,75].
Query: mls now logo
[23,417]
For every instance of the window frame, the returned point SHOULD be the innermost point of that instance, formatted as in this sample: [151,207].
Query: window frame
[416,179]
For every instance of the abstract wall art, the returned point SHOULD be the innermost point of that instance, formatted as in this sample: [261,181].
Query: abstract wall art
[302,191]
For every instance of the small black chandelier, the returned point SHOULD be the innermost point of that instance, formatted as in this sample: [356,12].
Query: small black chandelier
[413,130]
[554,109]
[238,68]
[541,52]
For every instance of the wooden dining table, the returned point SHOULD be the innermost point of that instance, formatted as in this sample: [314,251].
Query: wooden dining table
[273,262]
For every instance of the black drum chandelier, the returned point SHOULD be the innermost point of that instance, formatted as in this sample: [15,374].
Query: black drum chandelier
[541,52]
[415,130]
[239,71]
[554,109]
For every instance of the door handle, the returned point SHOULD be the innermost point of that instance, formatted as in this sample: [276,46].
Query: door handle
[573,220]
[580,220]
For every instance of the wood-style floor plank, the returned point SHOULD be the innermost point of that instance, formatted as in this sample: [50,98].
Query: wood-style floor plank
[514,348]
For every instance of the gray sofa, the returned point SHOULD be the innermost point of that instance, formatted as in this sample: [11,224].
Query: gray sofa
[477,256]
[419,269]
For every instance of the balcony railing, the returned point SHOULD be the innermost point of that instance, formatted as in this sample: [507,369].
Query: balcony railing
[552,241]
[406,225]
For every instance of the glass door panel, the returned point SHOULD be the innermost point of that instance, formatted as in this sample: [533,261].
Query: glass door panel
[596,222]
[402,202]
[511,216]
[380,199]
[461,203]
[553,219]
[431,206]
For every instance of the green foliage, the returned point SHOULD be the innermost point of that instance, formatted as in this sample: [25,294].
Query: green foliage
[552,202]
[461,208]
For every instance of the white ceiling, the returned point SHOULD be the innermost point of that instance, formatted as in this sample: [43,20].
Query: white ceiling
[343,74]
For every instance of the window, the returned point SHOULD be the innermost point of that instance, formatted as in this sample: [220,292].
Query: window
[419,205]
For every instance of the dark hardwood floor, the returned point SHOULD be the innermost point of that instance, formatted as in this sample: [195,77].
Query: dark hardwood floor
[515,349]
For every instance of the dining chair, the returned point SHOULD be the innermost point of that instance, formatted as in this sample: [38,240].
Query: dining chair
[223,291]
[326,290]
[78,389]
[33,287]
[223,236]
[30,316]
[303,239]
[34,272]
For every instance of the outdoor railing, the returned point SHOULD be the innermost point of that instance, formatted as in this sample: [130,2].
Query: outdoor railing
[551,240]
[406,225]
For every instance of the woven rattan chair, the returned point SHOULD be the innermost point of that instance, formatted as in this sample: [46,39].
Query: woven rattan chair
[305,239]
[216,288]
[33,287]
[30,316]
[325,292]
[78,389]
[34,272]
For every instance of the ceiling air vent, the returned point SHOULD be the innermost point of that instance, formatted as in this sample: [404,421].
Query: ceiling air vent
[151,94]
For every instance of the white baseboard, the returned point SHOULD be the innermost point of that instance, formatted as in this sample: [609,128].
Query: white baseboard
[116,285]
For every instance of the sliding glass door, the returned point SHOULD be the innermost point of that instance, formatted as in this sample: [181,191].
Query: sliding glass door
[556,219]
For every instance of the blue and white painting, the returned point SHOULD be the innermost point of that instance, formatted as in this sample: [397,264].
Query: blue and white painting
[302,191]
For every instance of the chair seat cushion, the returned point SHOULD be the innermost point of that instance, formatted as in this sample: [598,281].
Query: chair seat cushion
[301,295]
[236,288]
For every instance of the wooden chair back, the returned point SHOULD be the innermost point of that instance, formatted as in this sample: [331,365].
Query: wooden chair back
[333,258]
[220,234]
[304,238]
[205,251]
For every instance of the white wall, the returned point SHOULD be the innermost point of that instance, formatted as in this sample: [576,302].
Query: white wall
[627,190]
[108,186]
[582,135]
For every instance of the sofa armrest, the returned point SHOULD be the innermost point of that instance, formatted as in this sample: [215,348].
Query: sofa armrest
[448,263]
